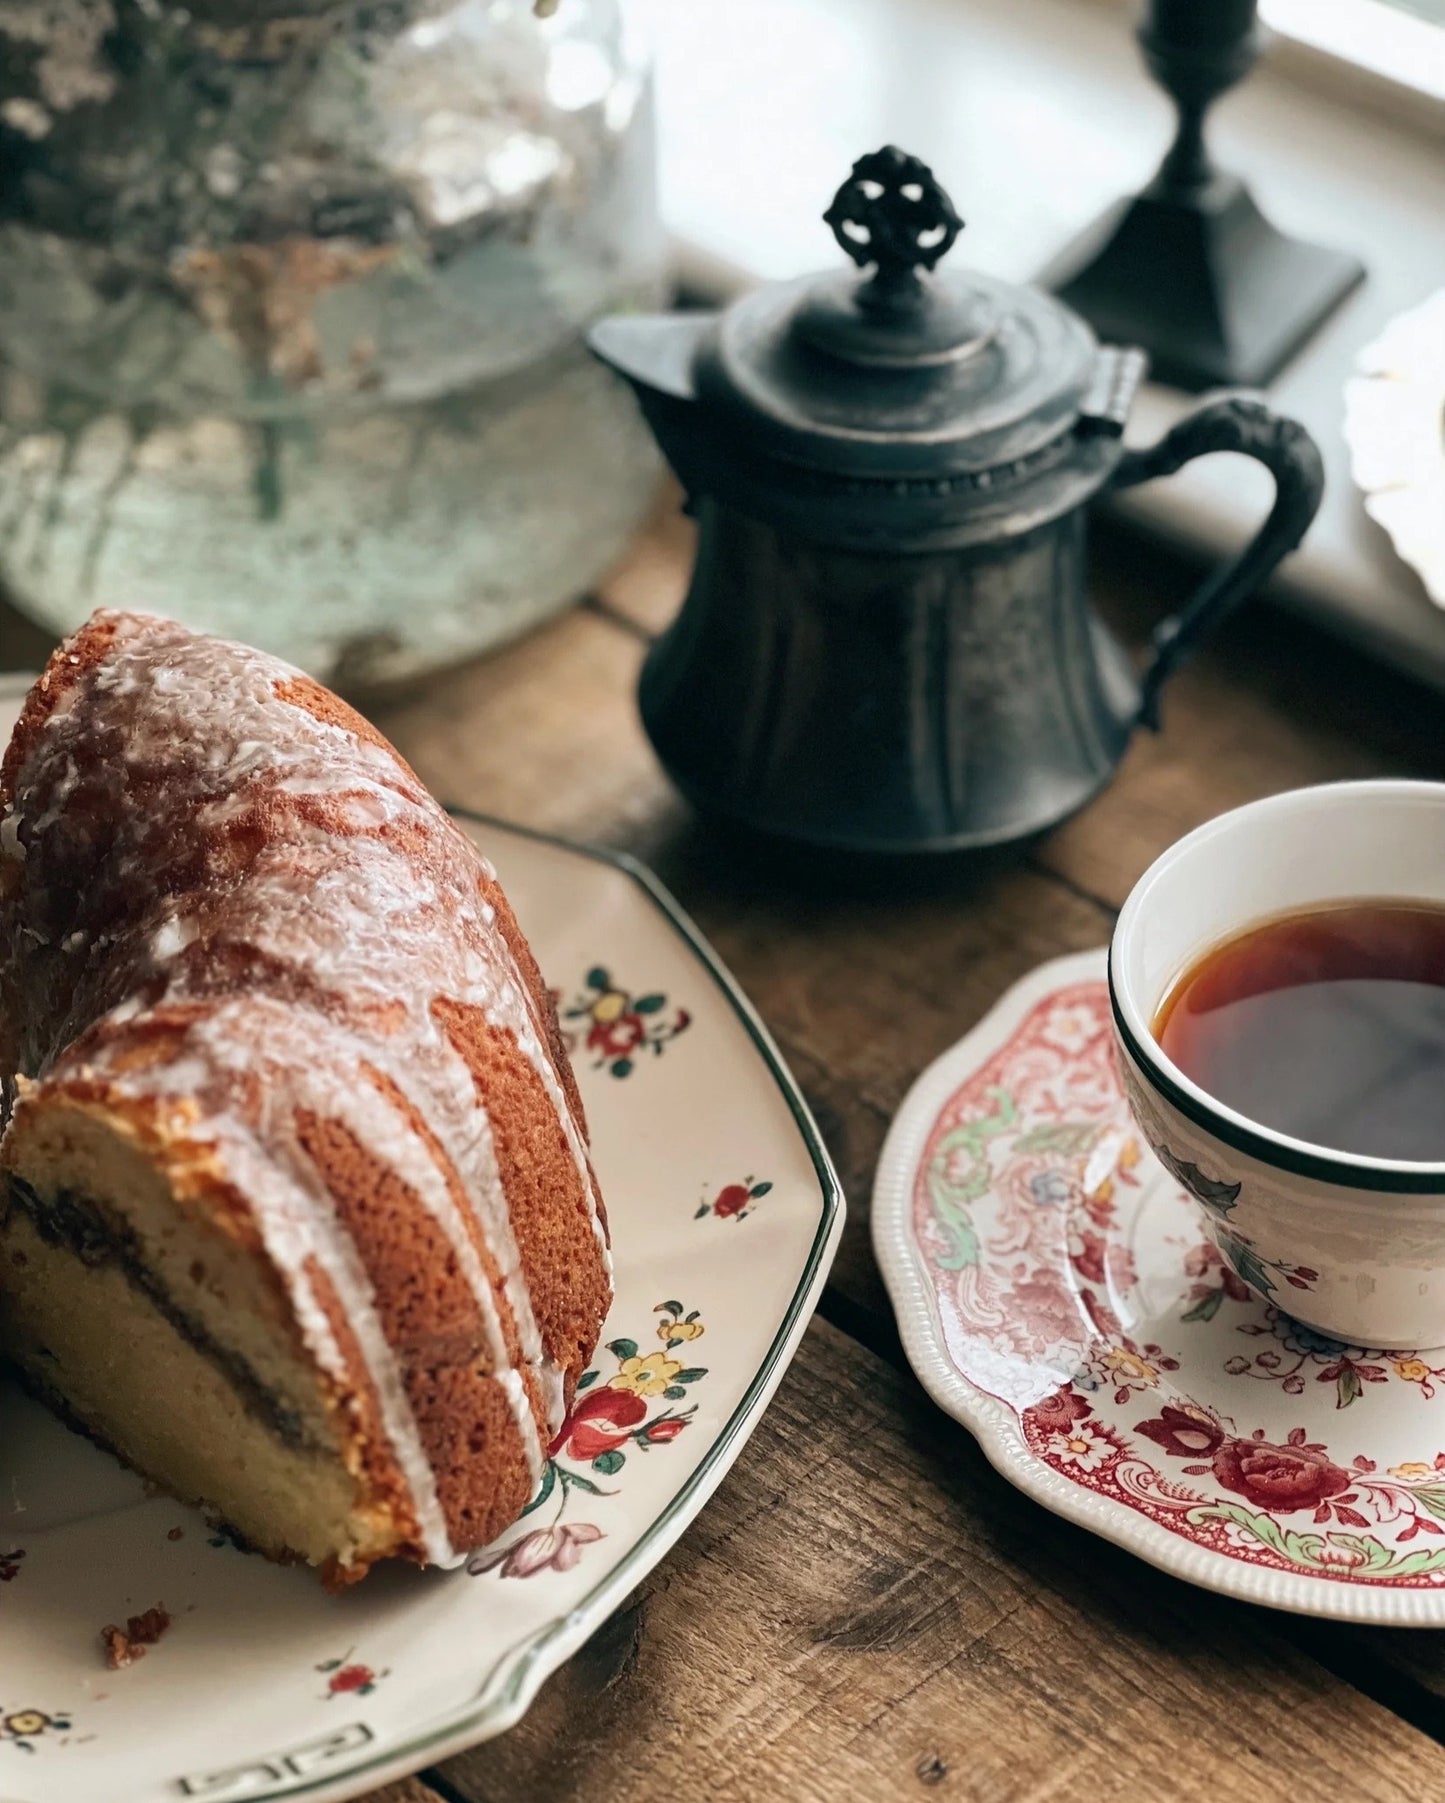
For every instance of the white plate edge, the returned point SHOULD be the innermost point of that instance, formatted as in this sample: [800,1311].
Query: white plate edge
[994,1426]
[488,1718]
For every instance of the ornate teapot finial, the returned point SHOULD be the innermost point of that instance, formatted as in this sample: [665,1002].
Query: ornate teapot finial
[893,212]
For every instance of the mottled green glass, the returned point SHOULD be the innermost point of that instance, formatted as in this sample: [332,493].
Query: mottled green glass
[291,304]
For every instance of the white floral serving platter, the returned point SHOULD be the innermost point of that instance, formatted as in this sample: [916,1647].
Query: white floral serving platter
[1057,1293]
[725,1214]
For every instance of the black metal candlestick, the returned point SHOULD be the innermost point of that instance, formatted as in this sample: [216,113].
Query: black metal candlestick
[1191,269]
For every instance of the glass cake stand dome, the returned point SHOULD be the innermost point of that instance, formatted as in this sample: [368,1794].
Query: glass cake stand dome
[292,297]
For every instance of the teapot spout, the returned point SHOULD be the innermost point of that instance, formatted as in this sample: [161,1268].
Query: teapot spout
[655,352]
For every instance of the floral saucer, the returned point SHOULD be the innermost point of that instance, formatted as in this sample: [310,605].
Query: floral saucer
[1057,1294]
[725,1215]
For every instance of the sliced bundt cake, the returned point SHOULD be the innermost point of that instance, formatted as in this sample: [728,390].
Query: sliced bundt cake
[296,1210]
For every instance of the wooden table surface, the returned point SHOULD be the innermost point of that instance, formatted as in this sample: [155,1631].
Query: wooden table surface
[865,1610]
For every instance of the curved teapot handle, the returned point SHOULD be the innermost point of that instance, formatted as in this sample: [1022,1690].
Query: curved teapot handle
[1229,423]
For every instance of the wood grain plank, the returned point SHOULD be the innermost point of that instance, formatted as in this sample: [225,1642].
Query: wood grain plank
[405,1790]
[866,1610]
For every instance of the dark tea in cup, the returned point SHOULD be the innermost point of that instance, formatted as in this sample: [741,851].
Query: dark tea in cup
[1326,1024]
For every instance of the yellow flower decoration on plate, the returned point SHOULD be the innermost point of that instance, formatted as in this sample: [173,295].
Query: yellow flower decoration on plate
[1128,1364]
[648,1376]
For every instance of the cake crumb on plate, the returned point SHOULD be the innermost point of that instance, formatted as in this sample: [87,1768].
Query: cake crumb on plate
[123,1646]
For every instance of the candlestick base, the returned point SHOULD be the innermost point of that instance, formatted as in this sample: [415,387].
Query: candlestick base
[1204,282]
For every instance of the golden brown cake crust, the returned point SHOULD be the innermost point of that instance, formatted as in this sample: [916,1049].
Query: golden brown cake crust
[233,921]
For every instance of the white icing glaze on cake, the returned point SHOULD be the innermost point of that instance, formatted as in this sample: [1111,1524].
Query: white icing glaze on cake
[357,944]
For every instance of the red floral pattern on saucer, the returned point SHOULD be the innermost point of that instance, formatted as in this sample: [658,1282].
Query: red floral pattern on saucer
[1057,1291]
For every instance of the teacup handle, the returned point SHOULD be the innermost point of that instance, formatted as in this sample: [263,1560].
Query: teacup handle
[1228,423]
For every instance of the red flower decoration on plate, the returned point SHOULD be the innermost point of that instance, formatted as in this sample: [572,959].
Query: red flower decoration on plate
[347,1677]
[618,1024]
[1186,1432]
[668,1427]
[734,1200]
[618,1038]
[1278,1478]
[1058,1412]
[602,1420]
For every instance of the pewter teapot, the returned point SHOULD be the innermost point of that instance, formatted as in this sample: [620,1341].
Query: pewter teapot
[887,644]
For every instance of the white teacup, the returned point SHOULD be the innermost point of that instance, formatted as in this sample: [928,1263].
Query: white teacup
[1363,1239]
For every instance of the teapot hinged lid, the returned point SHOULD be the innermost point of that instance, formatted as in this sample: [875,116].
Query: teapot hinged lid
[904,371]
